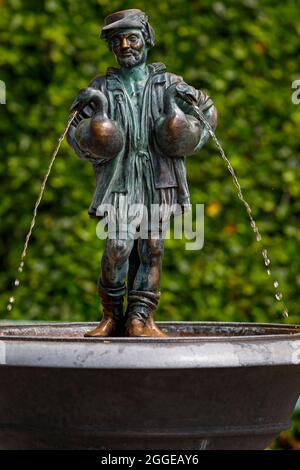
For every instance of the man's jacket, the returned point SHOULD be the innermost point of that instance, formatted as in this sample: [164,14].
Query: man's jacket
[112,175]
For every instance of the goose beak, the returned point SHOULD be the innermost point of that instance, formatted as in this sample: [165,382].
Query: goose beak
[75,105]
[82,99]
[78,104]
[191,98]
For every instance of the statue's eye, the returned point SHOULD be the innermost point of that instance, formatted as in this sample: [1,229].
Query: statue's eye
[115,41]
[133,38]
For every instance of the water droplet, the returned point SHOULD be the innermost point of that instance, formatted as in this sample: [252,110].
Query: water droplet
[269,272]
[12,299]
[258,237]
[278,296]
[9,307]
[17,282]
[20,269]
[267,262]
[22,264]
[264,253]
[285,313]
[276,284]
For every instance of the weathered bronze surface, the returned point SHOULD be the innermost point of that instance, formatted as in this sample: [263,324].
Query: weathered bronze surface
[136,124]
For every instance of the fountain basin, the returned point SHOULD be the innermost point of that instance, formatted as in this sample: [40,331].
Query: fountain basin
[207,386]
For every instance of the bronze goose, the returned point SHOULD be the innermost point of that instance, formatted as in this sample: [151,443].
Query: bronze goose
[178,133]
[98,135]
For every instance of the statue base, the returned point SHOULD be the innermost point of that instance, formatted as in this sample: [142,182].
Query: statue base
[205,386]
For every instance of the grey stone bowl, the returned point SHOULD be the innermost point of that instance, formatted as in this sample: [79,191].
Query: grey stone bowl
[207,386]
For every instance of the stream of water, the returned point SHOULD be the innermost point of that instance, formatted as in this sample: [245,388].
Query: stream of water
[267,262]
[17,282]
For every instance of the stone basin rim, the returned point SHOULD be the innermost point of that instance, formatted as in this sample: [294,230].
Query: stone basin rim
[274,331]
[192,352]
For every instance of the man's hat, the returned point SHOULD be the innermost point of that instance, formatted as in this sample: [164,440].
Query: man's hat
[132,18]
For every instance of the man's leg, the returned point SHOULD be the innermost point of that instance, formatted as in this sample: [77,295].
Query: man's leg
[111,286]
[144,295]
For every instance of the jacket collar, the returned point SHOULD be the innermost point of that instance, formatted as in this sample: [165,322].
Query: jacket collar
[114,81]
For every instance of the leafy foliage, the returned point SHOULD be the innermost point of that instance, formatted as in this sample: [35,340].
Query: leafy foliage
[244,54]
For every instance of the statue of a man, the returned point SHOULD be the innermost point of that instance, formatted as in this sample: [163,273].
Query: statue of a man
[135,124]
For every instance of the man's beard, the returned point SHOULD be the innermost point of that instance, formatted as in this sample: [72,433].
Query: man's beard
[135,58]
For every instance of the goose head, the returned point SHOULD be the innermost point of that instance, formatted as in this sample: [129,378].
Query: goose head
[88,96]
[177,92]
[186,93]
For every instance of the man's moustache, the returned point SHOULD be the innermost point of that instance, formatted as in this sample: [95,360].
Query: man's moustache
[128,52]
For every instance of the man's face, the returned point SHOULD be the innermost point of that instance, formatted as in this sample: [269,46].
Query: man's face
[129,48]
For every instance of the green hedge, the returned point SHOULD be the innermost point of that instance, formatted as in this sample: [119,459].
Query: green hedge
[244,53]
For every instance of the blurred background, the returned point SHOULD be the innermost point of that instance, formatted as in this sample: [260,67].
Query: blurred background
[245,54]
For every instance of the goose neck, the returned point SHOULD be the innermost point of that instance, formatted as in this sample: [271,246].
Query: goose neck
[101,104]
[170,105]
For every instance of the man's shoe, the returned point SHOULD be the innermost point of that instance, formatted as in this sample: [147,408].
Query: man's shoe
[112,323]
[136,327]
[107,327]
[152,326]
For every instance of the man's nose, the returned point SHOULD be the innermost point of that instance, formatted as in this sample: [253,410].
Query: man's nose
[124,43]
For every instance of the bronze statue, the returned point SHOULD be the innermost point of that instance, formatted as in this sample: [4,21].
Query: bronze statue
[135,124]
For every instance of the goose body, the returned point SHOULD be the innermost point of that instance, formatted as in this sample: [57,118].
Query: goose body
[99,135]
[177,133]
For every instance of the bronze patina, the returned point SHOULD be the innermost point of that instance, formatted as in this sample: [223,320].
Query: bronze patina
[136,124]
